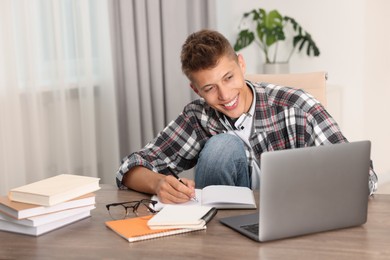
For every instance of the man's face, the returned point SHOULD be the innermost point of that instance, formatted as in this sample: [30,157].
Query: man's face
[223,87]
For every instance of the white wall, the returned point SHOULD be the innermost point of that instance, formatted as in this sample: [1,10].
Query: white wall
[354,42]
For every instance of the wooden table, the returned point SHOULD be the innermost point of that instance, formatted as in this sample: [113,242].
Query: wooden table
[91,239]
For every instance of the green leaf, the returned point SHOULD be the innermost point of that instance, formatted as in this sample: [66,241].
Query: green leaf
[245,38]
[274,20]
[311,48]
[270,28]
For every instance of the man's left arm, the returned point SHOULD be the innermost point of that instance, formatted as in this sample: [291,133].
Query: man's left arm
[326,131]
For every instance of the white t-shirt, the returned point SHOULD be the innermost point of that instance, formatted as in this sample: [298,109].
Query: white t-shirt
[244,126]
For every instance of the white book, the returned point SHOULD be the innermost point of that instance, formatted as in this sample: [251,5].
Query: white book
[39,230]
[47,218]
[20,210]
[174,216]
[220,197]
[54,190]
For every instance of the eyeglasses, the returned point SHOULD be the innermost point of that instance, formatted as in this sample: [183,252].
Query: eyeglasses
[122,210]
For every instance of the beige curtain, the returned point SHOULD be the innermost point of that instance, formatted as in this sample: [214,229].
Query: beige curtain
[57,99]
[84,83]
[147,38]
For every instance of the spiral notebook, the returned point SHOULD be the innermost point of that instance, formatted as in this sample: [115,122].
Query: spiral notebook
[136,229]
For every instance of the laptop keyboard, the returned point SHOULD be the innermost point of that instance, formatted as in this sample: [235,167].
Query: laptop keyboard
[253,228]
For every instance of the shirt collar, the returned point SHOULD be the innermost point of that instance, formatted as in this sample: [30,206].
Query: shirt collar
[245,116]
[252,108]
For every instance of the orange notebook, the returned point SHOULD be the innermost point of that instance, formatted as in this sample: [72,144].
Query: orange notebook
[136,229]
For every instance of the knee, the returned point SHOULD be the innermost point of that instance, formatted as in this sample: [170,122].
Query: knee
[224,146]
[222,161]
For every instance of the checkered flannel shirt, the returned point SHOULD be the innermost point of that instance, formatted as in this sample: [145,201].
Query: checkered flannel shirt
[285,118]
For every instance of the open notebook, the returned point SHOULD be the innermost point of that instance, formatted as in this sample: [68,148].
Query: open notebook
[220,197]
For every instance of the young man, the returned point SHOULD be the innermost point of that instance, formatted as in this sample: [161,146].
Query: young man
[225,132]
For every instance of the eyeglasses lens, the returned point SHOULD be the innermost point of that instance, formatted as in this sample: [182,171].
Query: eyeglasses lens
[143,209]
[118,212]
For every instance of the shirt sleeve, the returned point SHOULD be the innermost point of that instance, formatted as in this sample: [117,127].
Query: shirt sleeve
[175,148]
[326,130]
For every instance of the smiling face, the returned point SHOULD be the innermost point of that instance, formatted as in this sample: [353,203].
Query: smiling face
[223,87]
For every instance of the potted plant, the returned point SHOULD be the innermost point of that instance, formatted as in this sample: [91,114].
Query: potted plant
[267,30]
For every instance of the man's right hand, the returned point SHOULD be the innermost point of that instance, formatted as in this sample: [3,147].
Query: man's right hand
[167,188]
[170,190]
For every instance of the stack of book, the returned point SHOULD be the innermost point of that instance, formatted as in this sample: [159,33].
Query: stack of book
[42,206]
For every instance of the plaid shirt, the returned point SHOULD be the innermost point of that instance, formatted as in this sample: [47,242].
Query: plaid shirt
[285,118]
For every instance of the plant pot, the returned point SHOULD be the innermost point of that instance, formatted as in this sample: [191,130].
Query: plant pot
[276,68]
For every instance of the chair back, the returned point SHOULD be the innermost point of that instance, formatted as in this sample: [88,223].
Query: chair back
[312,82]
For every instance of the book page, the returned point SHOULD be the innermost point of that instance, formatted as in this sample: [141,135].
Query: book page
[221,194]
[198,195]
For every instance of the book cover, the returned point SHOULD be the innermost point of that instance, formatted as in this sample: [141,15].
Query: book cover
[54,190]
[42,229]
[219,197]
[20,210]
[174,216]
[47,218]
[136,229]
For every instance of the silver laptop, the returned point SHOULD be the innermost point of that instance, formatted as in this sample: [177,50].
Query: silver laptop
[309,190]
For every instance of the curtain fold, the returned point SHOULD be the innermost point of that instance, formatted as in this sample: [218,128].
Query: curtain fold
[57,94]
[147,37]
[84,83]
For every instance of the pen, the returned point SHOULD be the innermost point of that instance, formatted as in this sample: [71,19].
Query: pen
[209,215]
[178,178]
